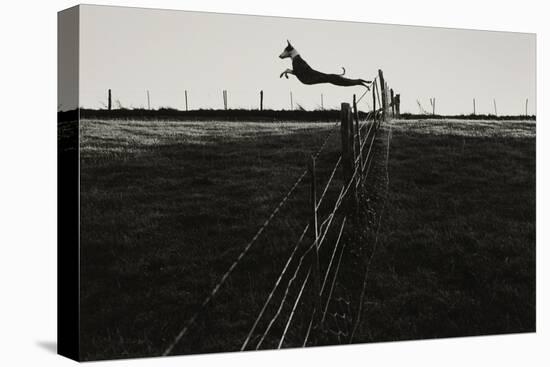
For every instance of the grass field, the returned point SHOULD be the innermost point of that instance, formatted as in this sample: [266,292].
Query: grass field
[458,239]
[167,206]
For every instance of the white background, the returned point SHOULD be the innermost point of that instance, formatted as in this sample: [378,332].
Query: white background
[28,184]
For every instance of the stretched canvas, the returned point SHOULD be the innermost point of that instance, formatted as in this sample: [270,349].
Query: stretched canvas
[234,183]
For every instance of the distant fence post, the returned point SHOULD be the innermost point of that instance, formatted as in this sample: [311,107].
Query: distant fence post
[392,101]
[109,105]
[526,104]
[261,100]
[224,99]
[148,100]
[495,104]
[186,107]
[322,102]
[474,106]
[291,102]
[387,90]
[382,93]
[314,227]
[397,105]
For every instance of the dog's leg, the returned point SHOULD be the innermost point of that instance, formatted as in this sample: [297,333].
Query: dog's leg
[286,72]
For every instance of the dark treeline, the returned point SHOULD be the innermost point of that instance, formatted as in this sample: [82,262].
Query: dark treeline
[250,115]
[208,114]
[412,116]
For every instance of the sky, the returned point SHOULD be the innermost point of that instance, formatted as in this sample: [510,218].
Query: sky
[132,50]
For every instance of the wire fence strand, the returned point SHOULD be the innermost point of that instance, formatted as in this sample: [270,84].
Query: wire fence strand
[294,309]
[285,268]
[367,267]
[333,254]
[285,296]
[334,281]
[247,247]
[370,131]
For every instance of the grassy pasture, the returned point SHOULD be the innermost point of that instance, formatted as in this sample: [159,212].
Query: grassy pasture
[458,239]
[167,206]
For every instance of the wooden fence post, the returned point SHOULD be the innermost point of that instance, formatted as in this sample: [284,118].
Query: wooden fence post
[314,227]
[322,102]
[357,133]
[526,104]
[392,101]
[354,152]
[388,99]
[474,106]
[348,165]
[109,104]
[344,130]
[261,100]
[382,93]
[186,108]
[351,137]
[291,102]
[397,105]
[373,105]
[495,104]
[148,101]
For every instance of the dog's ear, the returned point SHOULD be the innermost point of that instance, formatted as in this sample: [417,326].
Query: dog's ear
[287,41]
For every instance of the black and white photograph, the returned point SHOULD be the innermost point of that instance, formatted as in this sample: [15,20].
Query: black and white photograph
[250,183]
[275,183]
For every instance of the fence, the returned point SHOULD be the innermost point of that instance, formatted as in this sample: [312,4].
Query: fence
[305,272]
[393,98]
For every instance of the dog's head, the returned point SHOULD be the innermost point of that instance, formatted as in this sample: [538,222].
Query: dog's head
[289,51]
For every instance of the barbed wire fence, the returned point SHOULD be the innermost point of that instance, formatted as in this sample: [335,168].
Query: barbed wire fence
[311,301]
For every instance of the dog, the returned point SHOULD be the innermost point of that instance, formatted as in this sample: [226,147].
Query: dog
[307,75]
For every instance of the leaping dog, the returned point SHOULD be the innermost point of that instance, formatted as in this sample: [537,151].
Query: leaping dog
[307,75]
